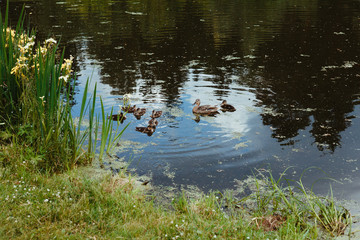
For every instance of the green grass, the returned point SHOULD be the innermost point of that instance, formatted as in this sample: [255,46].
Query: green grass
[293,201]
[86,203]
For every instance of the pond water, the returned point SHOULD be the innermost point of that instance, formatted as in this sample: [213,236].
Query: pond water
[291,69]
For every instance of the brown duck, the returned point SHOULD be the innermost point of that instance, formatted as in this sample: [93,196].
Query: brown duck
[156,114]
[153,122]
[139,112]
[149,130]
[204,109]
[225,107]
[129,109]
[115,117]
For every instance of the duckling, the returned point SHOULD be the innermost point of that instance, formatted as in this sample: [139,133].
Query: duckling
[115,117]
[227,107]
[139,112]
[129,109]
[149,130]
[153,122]
[205,109]
[156,114]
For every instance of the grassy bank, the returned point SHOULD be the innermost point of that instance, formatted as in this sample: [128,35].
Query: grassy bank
[44,193]
[86,203]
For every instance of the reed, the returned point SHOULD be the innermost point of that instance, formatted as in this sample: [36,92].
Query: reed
[10,87]
[35,95]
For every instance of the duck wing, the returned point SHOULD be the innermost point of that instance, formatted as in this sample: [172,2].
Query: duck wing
[128,109]
[121,117]
[207,108]
[207,112]
[228,107]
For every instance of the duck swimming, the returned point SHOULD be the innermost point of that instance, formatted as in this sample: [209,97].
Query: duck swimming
[156,114]
[227,107]
[153,122]
[204,109]
[129,109]
[115,117]
[139,112]
[149,130]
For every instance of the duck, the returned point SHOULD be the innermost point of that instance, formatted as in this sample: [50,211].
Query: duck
[139,112]
[227,107]
[204,109]
[156,114]
[149,130]
[129,109]
[153,122]
[115,117]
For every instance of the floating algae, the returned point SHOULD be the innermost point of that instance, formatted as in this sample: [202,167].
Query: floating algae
[237,135]
[176,112]
[136,147]
[242,144]
[168,173]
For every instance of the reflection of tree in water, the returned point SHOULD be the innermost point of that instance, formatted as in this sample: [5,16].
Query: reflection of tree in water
[150,51]
[296,88]
[162,65]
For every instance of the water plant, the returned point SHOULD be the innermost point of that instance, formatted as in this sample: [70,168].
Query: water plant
[36,86]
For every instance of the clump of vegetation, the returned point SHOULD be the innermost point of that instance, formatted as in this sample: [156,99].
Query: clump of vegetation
[274,205]
[35,103]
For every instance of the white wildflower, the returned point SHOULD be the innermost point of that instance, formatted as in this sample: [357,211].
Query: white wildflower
[32,39]
[50,40]
[127,96]
[65,78]
[29,45]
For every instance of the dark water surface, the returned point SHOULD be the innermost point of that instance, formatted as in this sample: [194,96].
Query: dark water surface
[291,68]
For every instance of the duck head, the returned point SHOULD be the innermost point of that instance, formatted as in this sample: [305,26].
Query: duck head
[197,102]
